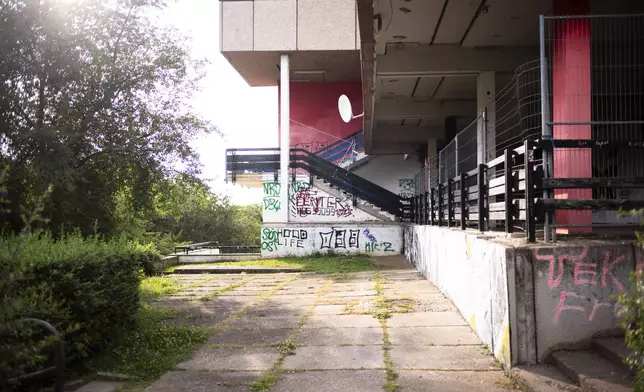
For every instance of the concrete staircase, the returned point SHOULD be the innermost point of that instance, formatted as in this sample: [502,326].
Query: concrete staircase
[362,205]
[600,369]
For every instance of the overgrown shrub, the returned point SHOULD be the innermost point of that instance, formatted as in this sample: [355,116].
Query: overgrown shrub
[633,312]
[87,288]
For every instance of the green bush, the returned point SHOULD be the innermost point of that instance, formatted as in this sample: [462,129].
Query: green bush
[87,288]
[633,322]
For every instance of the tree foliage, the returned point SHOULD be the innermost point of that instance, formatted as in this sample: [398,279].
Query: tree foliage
[94,101]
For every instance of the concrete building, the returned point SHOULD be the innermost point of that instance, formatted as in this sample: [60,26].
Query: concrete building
[441,90]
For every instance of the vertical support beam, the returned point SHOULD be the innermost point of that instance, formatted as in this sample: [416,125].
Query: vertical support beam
[413,209]
[485,103]
[464,212]
[450,202]
[530,226]
[285,139]
[571,102]
[432,212]
[509,187]
[481,196]
[546,130]
[432,163]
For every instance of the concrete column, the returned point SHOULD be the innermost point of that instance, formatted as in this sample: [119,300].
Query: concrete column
[285,142]
[571,102]
[485,96]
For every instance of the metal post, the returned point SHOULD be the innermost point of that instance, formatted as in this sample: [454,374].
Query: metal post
[509,182]
[481,196]
[530,228]
[456,171]
[450,202]
[285,117]
[464,213]
[440,204]
[432,213]
[413,209]
[546,131]
[426,208]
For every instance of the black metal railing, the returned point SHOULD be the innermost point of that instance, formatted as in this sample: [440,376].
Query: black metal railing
[223,249]
[268,160]
[58,370]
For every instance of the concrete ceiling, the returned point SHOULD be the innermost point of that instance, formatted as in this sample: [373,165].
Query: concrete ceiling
[431,51]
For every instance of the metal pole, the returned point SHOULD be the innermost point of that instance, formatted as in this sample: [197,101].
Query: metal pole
[464,213]
[285,117]
[546,131]
[509,224]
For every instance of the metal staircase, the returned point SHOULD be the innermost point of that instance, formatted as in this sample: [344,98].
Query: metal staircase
[245,161]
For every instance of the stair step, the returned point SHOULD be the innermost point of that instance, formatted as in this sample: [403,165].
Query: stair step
[613,349]
[542,378]
[592,372]
[101,386]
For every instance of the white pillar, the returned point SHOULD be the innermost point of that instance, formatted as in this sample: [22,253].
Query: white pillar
[285,140]
[485,97]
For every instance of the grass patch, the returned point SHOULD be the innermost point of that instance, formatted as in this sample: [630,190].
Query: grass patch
[382,312]
[288,347]
[157,286]
[152,349]
[326,264]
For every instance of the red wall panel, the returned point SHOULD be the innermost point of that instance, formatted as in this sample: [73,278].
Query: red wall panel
[315,121]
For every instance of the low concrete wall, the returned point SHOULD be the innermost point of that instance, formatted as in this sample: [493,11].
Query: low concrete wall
[293,239]
[575,291]
[526,301]
[213,258]
[165,263]
[472,272]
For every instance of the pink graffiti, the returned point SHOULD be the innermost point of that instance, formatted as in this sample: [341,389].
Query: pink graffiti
[562,305]
[552,281]
[608,270]
[578,271]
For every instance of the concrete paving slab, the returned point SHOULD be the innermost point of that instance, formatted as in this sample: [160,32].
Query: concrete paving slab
[219,269]
[436,381]
[101,386]
[442,358]
[235,359]
[339,336]
[329,309]
[250,336]
[264,323]
[542,378]
[190,381]
[280,301]
[342,321]
[412,287]
[356,293]
[433,336]
[275,311]
[426,319]
[335,357]
[331,381]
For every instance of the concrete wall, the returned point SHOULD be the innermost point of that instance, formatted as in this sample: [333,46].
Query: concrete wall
[282,25]
[472,272]
[299,239]
[575,290]
[525,302]
[309,204]
[392,172]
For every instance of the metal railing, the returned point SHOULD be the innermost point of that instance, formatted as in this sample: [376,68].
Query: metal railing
[223,249]
[595,96]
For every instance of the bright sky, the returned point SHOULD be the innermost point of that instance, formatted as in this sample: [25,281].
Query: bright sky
[247,116]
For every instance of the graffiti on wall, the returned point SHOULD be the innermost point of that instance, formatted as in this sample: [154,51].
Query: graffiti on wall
[311,146]
[271,198]
[583,281]
[351,239]
[407,187]
[306,201]
[272,239]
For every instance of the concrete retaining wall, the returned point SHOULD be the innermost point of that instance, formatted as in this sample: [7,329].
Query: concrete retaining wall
[213,258]
[299,239]
[472,272]
[524,302]
[575,291]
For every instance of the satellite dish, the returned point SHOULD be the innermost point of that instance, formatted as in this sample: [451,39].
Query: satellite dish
[344,107]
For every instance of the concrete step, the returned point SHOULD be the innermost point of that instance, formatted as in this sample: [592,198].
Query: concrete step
[592,372]
[613,349]
[213,269]
[101,386]
[542,378]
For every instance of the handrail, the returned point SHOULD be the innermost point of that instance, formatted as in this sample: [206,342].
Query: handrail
[58,368]
[317,166]
[338,142]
